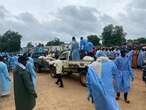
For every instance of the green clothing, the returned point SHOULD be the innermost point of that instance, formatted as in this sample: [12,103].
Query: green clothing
[23,90]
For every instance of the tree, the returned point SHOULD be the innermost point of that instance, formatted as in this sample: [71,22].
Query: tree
[29,45]
[141,40]
[113,35]
[54,42]
[137,41]
[130,42]
[94,39]
[10,41]
[107,35]
[40,45]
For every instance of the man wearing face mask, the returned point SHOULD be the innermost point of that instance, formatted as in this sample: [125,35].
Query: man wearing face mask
[24,91]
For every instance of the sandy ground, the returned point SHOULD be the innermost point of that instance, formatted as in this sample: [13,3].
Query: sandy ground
[74,96]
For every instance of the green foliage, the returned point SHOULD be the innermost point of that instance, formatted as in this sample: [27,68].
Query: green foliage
[40,45]
[130,41]
[54,42]
[94,39]
[10,41]
[141,40]
[29,45]
[113,35]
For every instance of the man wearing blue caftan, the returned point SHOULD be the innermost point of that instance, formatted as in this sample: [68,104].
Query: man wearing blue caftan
[83,44]
[100,83]
[13,62]
[124,77]
[117,53]
[130,56]
[140,58]
[101,52]
[75,54]
[31,69]
[5,80]
[108,53]
[89,47]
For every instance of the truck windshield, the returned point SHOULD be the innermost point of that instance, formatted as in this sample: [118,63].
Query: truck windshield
[64,56]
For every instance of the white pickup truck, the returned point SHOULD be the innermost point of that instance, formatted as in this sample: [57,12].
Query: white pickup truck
[70,66]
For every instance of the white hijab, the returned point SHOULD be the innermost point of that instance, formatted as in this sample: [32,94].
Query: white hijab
[97,65]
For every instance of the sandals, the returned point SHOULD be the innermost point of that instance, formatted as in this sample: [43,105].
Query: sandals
[127,101]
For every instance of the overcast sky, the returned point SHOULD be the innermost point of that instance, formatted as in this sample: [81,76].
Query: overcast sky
[42,20]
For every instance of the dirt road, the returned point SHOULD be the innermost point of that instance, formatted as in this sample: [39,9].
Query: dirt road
[74,96]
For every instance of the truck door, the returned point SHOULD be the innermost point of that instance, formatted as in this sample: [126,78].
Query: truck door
[65,59]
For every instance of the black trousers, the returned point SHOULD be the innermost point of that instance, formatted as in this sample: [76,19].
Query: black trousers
[59,79]
[125,95]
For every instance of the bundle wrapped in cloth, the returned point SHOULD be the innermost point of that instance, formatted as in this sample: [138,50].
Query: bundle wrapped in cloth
[88,58]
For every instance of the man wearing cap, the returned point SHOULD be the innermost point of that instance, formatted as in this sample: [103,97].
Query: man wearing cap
[24,91]
[100,83]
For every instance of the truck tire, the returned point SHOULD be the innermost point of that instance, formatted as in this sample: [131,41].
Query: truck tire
[83,79]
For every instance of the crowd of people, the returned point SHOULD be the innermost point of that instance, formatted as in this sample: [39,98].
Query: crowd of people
[107,77]
[111,73]
[24,74]
[136,54]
